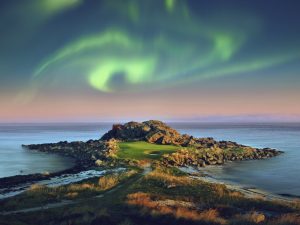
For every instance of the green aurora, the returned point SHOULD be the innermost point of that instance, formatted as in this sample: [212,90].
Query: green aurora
[104,59]
[179,47]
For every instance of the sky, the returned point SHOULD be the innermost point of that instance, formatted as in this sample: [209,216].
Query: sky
[106,60]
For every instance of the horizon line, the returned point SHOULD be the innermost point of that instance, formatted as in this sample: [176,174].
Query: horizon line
[204,119]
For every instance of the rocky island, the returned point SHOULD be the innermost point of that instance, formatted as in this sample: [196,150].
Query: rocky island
[191,151]
[151,142]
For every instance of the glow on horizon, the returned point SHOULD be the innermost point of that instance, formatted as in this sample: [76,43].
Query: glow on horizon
[167,107]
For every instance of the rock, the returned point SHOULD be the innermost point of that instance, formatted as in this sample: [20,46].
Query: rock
[85,153]
[152,131]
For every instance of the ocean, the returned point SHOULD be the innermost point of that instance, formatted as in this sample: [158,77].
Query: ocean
[279,175]
[14,160]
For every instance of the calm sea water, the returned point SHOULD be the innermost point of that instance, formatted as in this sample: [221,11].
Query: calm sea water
[279,175]
[15,160]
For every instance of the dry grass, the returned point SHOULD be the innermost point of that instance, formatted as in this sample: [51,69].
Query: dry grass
[251,217]
[36,187]
[235,194]
[41,194]
[296,203]
[104,183]
[72,195]
[169,179]
[259,197]
[75,190]
[141,199]
[210,215]
[176,209]
[287,219]
[108,182]
[258,218]
[220,190]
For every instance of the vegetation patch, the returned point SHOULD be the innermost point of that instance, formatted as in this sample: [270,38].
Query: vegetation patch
[177,209]
[140,150]
[40,194]
[164,192]
[164,196]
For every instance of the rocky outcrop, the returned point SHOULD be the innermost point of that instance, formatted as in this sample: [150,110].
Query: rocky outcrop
[152,131]
[196,151]
[201,157]
[86,153]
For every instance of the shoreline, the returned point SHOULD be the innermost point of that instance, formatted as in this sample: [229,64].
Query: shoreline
[248,192]
[57,180]
[9,183]
[68,163]
[13,181]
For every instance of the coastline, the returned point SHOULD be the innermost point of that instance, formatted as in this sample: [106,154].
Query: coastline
[11,181]
[58,179]
[14,181]
[31,162]
[248,192]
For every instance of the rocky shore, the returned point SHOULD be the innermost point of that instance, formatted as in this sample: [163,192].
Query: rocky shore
[249,192]
[86,154]
[196,152]
[9,182]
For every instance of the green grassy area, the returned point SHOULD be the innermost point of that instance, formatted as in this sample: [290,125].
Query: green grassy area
[143,150]
[237,150]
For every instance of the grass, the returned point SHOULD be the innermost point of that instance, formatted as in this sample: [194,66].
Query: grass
[177,209]
[141,150]
[237,150]
[40,194]
[163,192]
[162,197]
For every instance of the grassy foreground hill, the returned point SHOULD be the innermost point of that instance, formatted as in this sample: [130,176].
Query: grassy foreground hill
[152,188]
[161,196]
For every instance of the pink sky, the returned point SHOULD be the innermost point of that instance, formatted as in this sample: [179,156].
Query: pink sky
[182,105]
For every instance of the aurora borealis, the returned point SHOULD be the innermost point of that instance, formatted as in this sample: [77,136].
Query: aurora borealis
[118,59]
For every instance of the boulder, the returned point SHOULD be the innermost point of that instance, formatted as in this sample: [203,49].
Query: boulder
[152,131]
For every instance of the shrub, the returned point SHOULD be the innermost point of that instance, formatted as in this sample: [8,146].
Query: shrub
[108,182]
[37,187]
[168,178]
[250,218]
[71,194]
